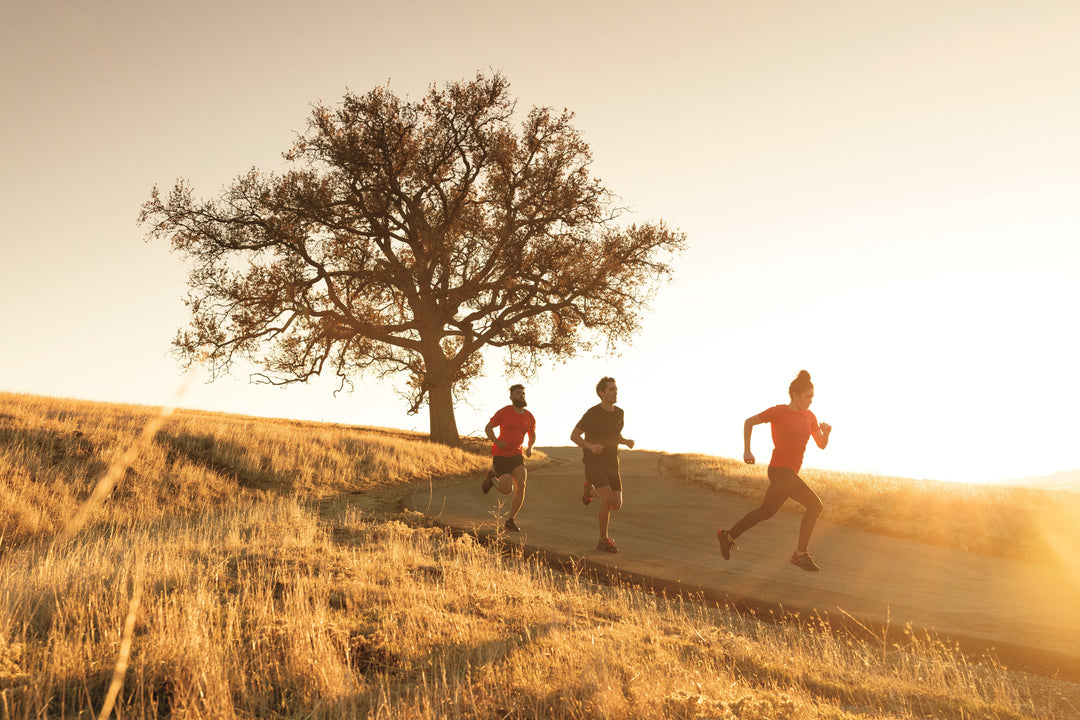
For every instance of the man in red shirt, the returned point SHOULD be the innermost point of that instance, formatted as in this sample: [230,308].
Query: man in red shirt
[508,472]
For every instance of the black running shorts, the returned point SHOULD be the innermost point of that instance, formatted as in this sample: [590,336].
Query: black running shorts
[504,465]
[603,475]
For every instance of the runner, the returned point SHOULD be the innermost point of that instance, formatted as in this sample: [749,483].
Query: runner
[599,434]
[508,472]
[792,426]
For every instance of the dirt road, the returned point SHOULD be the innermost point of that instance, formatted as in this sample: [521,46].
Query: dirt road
[1028,614]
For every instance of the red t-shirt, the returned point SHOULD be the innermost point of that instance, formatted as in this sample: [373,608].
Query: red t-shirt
[512,429]
[791,429]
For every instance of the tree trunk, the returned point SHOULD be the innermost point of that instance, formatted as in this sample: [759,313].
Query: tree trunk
[443,424]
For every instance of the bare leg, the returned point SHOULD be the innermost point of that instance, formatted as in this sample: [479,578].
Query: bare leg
[518,476]
[609,500]
[505,484]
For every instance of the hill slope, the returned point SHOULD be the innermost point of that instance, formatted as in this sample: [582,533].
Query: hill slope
[242,567]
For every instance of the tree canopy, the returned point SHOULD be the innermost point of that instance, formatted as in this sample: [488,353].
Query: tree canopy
[406,236]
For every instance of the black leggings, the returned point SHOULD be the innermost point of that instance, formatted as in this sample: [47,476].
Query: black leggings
[784,483]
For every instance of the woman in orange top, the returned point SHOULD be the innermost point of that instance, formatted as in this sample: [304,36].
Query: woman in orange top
[792,427]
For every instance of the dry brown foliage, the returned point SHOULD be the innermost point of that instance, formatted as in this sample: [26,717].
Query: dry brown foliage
[268,593]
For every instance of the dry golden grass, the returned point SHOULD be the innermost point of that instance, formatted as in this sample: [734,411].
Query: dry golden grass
[272,596]
[1017,522]
[54,452]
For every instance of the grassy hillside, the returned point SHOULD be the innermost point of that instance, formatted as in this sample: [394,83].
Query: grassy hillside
[54,453]
[242,567]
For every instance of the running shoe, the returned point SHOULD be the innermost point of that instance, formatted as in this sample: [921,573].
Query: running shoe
[489,482]
[804,561]
[511,525]
[586,497]
[607,545]
[726,543]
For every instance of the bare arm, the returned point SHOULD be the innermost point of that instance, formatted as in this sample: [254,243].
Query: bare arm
[489,430]
[532,441]
[821,435]
[748,429]
[578,438]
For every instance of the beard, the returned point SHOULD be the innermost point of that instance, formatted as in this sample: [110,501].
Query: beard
[519,402]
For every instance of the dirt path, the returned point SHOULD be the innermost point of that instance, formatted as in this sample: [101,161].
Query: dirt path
[1027,614]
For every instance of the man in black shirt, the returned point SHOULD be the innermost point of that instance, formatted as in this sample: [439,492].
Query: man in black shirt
[599,433]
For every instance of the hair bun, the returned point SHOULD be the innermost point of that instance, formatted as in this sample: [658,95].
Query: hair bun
[800,384]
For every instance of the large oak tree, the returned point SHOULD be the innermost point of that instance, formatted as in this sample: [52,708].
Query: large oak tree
[407,236]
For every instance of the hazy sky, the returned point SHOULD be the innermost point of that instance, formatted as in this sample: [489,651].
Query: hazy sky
[883,193]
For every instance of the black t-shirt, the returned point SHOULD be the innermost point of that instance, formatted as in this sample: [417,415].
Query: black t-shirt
[605,428]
